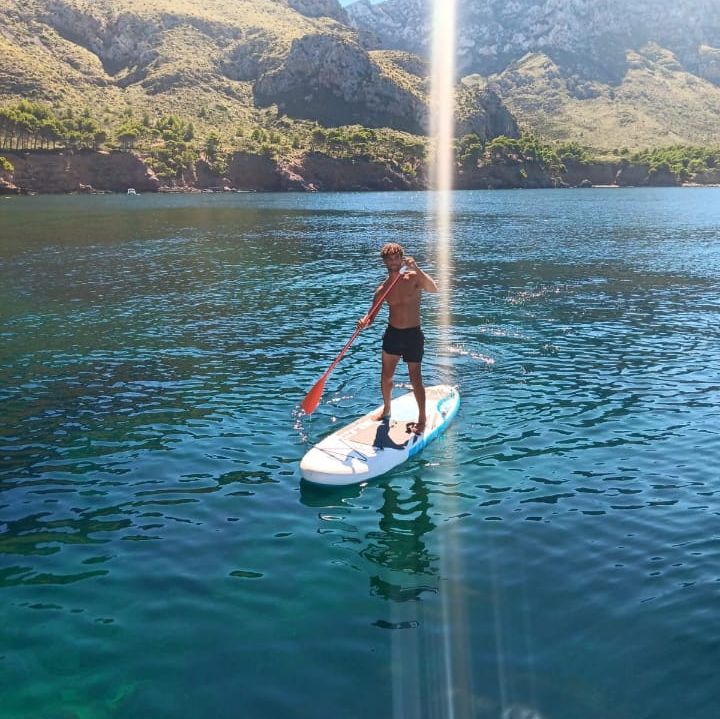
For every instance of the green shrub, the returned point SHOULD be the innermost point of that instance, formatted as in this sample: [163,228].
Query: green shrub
[679,159]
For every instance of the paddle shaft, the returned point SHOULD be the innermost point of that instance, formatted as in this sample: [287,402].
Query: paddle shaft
[312,399]
[373,311]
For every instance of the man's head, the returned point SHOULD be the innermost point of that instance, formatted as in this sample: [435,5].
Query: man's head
[391,248]
[392,256]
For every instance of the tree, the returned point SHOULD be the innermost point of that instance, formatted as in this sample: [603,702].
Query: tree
[212,145]
[469,149]
[50,132]
[99,138]
[127,135]
[8,127]
[30,125]
[696,165]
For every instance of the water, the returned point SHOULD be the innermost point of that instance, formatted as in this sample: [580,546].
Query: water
[554,555]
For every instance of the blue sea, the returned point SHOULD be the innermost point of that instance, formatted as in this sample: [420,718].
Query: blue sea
[555,555]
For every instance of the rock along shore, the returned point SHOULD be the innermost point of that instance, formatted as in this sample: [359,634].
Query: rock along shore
[58,172]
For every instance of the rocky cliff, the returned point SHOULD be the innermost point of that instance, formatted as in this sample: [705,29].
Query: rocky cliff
[335,81]
[61,172]
[320,8]
[590,35]
[607,73]
[480,111]
[88,172]
[596,71]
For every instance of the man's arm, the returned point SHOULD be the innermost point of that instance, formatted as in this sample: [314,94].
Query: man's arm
[365,321]
[425,282]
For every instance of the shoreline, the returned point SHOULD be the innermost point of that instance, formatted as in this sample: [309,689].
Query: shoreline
[231,191]
[11,196]
[90,172]
[192,191]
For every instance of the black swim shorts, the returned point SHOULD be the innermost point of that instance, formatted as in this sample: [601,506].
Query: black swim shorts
[408,343]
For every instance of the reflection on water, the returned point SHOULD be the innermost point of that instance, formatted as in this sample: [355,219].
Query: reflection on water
[405,568]
[398,545]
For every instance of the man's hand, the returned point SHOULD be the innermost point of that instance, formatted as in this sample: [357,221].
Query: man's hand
[363,323]
[411,269]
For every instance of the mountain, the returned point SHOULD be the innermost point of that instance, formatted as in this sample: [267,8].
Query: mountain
[220,63]
[606,73]
[609,73]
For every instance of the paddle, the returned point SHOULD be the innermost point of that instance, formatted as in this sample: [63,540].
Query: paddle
[312,398]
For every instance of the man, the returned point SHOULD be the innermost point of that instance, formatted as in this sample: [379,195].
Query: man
[403,338]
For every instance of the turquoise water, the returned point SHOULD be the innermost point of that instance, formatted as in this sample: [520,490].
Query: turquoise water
[555,554]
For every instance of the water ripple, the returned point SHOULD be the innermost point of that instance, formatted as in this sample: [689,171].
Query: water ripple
[152,365]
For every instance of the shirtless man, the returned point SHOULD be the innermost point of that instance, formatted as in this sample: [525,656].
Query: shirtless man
[403,338]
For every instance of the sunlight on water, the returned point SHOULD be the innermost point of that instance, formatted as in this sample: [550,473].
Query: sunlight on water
[451,697]
[442,130]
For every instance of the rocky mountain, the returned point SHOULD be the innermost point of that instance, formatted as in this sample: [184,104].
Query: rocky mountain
[590,35]
[221,62]
[606,72]
[320,8]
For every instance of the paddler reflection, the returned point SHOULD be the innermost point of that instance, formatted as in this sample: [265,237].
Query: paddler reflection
[401,566]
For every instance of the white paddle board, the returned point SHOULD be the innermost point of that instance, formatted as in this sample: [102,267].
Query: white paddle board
[368,448]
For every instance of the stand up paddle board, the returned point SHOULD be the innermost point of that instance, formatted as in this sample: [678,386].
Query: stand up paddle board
[368,448]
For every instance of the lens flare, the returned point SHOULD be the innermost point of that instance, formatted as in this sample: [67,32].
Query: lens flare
[456,689]
[431,673]
[442,132]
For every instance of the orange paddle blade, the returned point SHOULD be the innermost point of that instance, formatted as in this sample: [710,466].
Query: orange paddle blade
[312,398]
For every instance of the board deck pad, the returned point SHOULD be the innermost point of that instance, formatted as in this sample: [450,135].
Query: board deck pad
[367,448]
[384,434]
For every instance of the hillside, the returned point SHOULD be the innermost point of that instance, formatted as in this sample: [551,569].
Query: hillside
[655,104]
[598,72]
[606,73]
[169,56]
[223,65]
[306,94]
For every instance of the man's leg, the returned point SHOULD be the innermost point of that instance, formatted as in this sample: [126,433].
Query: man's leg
[389,363]
[415,373]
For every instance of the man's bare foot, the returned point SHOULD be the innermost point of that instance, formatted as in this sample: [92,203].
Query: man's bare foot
[380,416]
[419,426]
